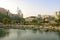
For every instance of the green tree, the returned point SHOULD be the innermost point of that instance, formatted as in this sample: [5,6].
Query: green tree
[2,16]
[34,21]
[6,20]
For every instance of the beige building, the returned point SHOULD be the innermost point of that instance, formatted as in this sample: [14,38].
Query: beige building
[30,18]
[57,14]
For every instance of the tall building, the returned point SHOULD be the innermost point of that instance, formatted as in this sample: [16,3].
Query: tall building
[39,16]
[19,12]
[57,14]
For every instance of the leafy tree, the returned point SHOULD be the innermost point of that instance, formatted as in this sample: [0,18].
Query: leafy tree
[34,21]
[6,20]
[17,19]
[2,16]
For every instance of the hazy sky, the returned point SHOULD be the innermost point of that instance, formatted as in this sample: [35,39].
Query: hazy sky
[32,7]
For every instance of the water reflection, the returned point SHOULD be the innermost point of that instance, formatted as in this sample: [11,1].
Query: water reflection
[16,34]
[3,32]
[58,33]
[34,31]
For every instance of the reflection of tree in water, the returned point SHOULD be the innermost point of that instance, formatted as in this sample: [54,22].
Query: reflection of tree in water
[34,31]
[58,34]
[18,35]
[3,32]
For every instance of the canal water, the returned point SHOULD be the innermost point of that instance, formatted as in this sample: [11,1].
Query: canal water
[17,34]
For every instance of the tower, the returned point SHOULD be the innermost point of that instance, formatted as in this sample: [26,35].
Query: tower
[8,12]
[19,12]
[59,12]
[56,13]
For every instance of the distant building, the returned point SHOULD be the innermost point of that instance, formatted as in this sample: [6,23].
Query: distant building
[39,16]
[57,14]
[48,18]
[8,13]
[29,19]
[19,12]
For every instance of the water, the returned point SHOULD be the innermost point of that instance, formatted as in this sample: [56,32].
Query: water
[16,34]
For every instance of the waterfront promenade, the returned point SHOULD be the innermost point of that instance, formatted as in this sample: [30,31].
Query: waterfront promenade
[35,27]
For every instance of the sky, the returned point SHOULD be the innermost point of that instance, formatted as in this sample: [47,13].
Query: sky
[32,7]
